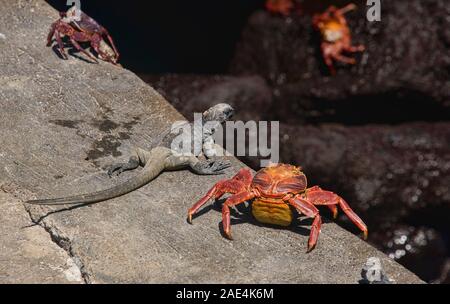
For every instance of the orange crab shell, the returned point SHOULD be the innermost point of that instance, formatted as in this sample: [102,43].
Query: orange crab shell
[330,25]
[332,30]
[274,183]
[278,180]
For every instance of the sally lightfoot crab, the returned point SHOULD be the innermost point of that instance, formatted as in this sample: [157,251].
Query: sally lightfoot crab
[274,190]
[336,36]
[79,27]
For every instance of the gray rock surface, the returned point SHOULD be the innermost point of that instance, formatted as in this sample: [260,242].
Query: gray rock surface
[27,253]
[62,122]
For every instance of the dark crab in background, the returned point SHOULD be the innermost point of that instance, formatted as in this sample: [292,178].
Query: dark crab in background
[79,27]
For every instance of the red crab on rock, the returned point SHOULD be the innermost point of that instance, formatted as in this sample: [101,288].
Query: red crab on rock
[79,27]
[336,36]
[274,190]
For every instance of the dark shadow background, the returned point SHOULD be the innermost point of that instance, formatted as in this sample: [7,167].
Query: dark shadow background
[172,36]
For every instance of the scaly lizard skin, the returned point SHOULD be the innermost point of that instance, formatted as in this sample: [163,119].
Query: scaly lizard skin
[159,159]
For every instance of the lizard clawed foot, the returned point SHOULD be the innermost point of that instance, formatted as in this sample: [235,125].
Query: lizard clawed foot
[211,167]
[117,169]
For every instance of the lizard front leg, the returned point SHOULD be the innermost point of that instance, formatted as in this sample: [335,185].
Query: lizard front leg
[212,154]
[209,149]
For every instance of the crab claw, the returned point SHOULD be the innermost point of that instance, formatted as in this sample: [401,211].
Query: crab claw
[189,218]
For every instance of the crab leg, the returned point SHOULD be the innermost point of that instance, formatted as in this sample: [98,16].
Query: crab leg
[355,49]
[322,197]
[328,59]
[334,210]
[238,183]
[211,193]
[51,33]
[344,59]
[217,191]
[308,209]
[60,44]
[327,14]
[96,46]
[346,9]
[353,217]
[232,201]
[113,45]
[80,49]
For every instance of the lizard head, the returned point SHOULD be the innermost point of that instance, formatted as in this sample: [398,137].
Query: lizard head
[221,112]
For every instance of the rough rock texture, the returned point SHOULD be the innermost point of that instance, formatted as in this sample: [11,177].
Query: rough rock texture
[417,247]
[402,76]
[194,93]
[27,253]
[390,175]
[63,121]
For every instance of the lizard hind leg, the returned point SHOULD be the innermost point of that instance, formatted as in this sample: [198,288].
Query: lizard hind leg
[118,168]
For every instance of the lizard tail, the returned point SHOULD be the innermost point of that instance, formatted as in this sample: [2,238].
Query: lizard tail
[150,171]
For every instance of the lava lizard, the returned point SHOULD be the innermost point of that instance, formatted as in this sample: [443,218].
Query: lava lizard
[159,159]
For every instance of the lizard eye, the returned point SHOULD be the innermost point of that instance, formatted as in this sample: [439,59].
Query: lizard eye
[229,112]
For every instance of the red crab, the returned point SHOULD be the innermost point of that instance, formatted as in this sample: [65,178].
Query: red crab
[283,7]
[336,36]
[79,27]
[275,190]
